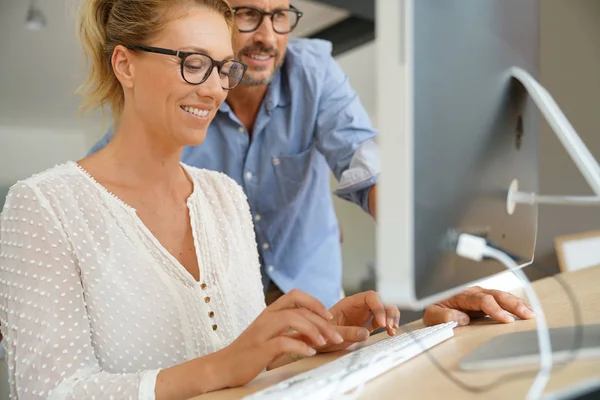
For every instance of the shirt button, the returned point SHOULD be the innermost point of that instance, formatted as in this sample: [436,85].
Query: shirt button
[241,129]
[257,217]
[266,246]
[248,175]
[276,161]
[271,268]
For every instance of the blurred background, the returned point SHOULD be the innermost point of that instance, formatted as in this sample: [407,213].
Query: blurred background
[41,66]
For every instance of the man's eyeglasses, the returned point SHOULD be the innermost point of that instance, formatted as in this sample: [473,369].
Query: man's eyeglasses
[197,67]
[248,19]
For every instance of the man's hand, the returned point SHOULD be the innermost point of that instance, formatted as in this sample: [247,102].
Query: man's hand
[373,202]
[477,302]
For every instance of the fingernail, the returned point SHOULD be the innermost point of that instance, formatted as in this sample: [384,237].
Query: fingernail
[390,323]
[328,315]
[463,320]
[362,334]
[527,311]
[312,351]
[338,338]
[321,340]
[509,317]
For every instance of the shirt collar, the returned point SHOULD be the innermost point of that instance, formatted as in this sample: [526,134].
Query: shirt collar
[278,93]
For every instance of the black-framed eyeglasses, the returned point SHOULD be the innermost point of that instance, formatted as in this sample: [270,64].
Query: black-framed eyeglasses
[248,19]
[197,67]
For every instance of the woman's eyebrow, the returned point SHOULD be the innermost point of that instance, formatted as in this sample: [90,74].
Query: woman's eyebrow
[193,49]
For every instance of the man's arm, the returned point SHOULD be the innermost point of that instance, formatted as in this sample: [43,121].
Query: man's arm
[102,142]
[345,136]
[373,201]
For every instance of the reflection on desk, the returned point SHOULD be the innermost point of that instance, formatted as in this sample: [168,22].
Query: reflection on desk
[419,379]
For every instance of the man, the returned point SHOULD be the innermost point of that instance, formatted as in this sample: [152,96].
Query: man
[294,116]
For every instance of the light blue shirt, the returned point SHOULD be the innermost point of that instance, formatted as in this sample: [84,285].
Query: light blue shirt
[311,120]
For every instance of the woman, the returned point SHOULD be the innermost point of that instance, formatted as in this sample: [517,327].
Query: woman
[130,275]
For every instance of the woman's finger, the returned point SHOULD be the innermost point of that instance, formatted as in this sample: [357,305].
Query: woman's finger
[306,323]
[299,299]
[393,319]
[377,308]
[328,331]
[286,345]
[353,334]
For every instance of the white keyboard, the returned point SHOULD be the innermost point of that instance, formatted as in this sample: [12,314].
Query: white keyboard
[356,368]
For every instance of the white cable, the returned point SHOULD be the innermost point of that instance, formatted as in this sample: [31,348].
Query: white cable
[476,248]
[537,388]
[534,198]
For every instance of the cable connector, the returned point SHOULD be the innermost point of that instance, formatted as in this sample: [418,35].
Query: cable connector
[471,247]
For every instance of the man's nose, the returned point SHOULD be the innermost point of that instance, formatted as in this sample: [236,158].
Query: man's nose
[265,32]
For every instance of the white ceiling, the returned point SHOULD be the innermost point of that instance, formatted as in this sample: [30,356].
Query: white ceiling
[40,71]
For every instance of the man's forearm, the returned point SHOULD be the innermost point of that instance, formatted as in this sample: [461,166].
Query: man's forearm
[373,201]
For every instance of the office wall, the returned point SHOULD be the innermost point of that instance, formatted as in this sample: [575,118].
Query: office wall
[570,70]
[26,150]
[358,228]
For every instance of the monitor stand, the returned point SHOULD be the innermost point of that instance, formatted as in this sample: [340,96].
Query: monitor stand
[520,348]
[577,150]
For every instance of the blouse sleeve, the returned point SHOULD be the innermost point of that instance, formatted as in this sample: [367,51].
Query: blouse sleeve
[43,313]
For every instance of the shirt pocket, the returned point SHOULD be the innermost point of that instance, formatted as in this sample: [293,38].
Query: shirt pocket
[293,174]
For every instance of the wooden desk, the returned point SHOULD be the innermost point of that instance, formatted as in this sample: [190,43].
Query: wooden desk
[419,379]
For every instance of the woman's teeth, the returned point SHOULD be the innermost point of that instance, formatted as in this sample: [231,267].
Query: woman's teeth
[195,111]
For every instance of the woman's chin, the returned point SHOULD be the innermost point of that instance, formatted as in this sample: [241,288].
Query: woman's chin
[193,138]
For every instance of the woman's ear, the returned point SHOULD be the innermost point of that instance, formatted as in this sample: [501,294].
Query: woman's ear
[123,66]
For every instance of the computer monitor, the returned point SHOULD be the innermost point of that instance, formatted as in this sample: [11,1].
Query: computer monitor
[454,131]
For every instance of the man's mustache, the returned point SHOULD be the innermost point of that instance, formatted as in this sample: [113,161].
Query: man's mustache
[260,49]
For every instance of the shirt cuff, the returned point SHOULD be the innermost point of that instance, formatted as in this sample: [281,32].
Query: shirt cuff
[361,175]
[148,385]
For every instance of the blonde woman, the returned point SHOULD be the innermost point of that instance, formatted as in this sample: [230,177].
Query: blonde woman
[129,275]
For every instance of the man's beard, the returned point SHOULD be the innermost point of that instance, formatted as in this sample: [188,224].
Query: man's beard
[259,48]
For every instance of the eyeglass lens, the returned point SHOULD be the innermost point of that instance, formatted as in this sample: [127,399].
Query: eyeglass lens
[197,68]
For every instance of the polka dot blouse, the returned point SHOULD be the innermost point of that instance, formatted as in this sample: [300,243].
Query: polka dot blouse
[93,307]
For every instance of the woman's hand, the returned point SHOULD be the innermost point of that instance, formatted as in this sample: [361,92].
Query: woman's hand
[355,317]
[269,337]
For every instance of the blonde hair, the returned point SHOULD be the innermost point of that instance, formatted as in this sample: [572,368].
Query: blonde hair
[105,24]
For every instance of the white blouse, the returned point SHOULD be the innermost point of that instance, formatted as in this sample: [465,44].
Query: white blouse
[91,304]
